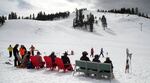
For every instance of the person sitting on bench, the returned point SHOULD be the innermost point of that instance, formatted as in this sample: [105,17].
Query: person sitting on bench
[96,59]
[84,56]
[109,61]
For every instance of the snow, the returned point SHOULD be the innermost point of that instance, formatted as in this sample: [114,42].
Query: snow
[124,31]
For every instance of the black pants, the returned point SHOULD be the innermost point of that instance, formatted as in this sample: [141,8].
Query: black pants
[32,53]
[16,62]
[101,54]
[10,54]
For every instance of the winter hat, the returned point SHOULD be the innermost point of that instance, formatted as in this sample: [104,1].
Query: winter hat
[84,53]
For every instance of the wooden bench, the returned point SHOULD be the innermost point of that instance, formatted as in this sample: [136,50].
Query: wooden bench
[99,70]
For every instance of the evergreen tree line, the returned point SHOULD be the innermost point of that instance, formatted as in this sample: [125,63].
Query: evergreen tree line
[133,11]
[81,20]
[40,16]
[43,16]
[12,15]
[2,20]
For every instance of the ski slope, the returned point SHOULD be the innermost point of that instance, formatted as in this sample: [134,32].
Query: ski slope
[124,31]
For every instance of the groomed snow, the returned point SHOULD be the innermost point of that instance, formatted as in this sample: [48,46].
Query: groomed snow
[59,36]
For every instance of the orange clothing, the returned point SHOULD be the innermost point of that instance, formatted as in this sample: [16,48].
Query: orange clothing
[22,51]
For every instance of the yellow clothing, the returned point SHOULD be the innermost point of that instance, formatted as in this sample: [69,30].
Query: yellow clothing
[10,49]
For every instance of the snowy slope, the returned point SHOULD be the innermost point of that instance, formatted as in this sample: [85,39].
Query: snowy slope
[47,36]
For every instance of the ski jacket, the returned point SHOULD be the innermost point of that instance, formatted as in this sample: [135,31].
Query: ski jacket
[10,49]
[84,58]
[22,51]
[65,59]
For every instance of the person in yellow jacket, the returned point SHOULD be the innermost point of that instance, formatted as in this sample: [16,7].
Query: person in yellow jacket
[10,49]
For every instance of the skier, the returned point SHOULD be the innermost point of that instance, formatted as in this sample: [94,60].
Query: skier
[10,49]
[101,52]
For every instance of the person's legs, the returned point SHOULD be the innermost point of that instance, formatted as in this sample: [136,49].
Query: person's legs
[10,54]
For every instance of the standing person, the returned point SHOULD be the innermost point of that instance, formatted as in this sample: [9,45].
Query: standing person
[32,49]
[96,59]
[16,55]
[84,56]
[22,51]
[128,60]
[104,22]
[127,66]
[101,52]
[129,55]
[66,61]
[10,49]
[92,52]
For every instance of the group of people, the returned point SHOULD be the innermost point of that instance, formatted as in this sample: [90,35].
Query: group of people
[21,54]
[22,57]
[84,57]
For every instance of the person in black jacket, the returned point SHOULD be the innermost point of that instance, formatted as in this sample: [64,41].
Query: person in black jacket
[16,55]
[109,61]
[84,56]
[66,61]
[96,59]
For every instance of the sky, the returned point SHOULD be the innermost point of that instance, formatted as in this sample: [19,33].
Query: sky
[26,7]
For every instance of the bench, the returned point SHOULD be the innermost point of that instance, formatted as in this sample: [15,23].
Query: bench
[99,70]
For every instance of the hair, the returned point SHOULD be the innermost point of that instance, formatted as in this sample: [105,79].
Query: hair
[38,53]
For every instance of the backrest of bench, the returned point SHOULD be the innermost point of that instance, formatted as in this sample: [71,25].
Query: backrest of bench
[104,67]
[92,65]
[81,63]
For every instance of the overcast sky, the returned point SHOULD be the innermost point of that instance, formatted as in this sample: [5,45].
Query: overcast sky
[25,7]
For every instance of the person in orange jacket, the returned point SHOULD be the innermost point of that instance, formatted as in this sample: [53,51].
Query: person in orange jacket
[22,51]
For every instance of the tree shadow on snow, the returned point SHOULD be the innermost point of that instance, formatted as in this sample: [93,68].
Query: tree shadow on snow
[98,34]
[108,30]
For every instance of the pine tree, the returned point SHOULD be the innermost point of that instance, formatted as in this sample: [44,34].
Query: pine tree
[133,12]
[30,16]
[136,11]
[33,16]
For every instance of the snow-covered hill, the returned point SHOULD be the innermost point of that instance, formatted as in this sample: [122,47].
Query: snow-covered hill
[124,31]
